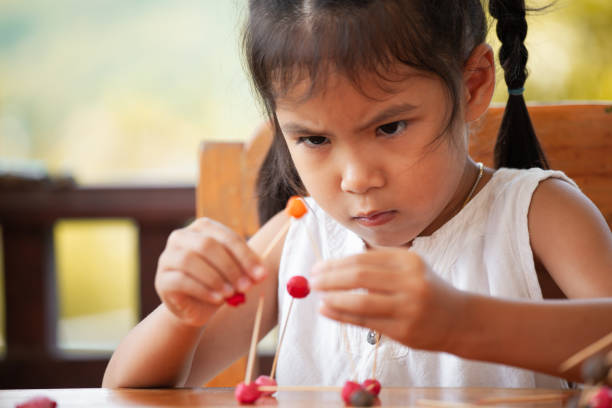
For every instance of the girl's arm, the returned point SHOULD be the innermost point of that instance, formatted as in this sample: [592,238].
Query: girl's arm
[570,237]
[534,335]
[409,303]
[166,350]
[573,241]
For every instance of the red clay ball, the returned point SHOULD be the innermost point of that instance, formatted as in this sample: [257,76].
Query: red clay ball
[37,402]
[602,398]
[349,388]
[372,386]
[247,393]
[298,287]
[236,299]
[265,381]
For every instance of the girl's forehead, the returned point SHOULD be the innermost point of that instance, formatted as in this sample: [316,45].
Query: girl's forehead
[375,86]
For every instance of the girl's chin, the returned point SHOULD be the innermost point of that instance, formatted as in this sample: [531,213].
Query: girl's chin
[386,242]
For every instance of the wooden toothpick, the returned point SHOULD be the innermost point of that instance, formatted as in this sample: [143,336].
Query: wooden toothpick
[347,345]
[444,404]
[276,238]
[274,388]
[586,353]
[252,350]
[280,341]
[258,314]
[317,253]
[524,399]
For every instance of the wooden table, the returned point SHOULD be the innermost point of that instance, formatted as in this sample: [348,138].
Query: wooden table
[209,397]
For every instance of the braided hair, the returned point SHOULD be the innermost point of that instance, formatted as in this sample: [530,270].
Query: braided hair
[517,145]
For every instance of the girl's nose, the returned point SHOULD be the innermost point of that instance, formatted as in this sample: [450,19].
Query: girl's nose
[359,176]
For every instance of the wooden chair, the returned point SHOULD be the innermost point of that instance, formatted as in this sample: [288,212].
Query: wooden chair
[226,192]
[576,138]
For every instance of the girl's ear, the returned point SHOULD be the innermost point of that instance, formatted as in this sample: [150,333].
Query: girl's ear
[479,81]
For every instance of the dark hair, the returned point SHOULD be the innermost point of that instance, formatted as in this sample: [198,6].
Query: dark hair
[517,145]
[288,40]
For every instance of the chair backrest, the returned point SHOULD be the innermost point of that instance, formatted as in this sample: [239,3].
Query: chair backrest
[576,138]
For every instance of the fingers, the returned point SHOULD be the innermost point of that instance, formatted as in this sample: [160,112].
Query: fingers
[381,271]
[392,295]
[363,304]
[202,265]
[188,309]
[213,254]
[186,297]
[218,258]
[380,324]
[347,277]
[191,264]
[174,282]
[241,253]
[394,258]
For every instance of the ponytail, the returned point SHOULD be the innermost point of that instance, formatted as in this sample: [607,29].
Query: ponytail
[517,145]
[277,179]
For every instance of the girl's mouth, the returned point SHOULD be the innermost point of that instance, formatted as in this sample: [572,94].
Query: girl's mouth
[375,218]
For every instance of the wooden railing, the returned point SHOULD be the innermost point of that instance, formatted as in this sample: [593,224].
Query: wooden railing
[27,217]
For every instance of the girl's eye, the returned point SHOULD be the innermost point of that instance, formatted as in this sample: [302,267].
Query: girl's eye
[313,141]
[392,128]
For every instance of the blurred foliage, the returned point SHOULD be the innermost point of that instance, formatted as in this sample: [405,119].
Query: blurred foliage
[570,52]
[97,266]
[125,91]
[120,91]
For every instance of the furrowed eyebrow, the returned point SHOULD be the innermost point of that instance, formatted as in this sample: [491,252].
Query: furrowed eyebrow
[299,130]
[389,113]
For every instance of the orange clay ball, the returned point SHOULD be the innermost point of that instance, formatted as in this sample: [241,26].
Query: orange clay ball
[296,207]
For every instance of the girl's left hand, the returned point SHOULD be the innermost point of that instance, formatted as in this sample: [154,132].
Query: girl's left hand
[403,298]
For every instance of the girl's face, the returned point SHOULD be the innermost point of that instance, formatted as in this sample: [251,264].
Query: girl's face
[370,157]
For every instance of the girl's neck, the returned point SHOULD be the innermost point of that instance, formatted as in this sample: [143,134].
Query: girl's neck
[469,180]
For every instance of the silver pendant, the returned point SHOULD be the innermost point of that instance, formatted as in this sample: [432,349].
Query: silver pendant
[373,337]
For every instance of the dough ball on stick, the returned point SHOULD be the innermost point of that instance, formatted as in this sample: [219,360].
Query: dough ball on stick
[298,287]
[349,388]
[296,208]
[264,380]
[247,393]
[236,299]
[362,398]
[372,386]
[602,398]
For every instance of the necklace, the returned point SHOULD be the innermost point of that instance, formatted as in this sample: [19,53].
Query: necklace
[373,337]
[480,172]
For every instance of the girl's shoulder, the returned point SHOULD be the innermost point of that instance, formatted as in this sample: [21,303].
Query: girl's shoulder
[507,196]
[505,179]
[515,188]
[571,238]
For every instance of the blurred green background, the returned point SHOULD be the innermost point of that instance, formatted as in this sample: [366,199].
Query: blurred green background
[123,92]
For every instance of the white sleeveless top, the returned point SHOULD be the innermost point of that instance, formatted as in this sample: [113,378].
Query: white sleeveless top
[484,249]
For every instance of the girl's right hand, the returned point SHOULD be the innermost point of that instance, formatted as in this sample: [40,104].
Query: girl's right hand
[203,264]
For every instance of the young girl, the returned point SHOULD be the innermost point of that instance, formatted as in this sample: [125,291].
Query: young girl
[372,103]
